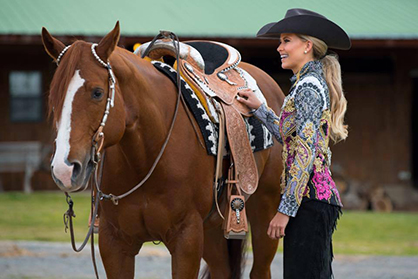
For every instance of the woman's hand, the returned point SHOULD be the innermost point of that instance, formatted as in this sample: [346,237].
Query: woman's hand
[277,226]
[247,97]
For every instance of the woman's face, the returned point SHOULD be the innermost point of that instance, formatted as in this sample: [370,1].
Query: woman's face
[292,52]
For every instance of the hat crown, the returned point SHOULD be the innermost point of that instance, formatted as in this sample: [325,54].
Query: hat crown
[301,21]
[298,12]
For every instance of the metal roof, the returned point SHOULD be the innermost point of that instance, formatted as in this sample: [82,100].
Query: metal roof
[362,19]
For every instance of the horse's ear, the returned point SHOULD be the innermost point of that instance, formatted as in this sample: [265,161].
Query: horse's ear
[52,46]
[108,43]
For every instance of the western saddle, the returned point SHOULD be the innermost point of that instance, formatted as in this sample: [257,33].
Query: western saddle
[211,70]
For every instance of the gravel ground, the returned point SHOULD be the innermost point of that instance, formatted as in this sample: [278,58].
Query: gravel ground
[21,259]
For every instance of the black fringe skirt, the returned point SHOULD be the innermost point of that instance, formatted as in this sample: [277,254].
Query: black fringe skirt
[308,241]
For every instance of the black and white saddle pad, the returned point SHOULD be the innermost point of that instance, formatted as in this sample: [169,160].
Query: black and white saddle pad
[260,138]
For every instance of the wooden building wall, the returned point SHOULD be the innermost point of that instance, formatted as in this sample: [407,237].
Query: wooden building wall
[25,58]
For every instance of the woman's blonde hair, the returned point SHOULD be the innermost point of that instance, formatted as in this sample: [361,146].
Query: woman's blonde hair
[332,72]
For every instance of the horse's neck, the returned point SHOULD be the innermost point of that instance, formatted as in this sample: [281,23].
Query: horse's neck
[149,101]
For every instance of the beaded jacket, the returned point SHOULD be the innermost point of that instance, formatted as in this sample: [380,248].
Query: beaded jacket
[303,127]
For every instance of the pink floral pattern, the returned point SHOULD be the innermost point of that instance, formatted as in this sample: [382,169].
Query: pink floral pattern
[322,182]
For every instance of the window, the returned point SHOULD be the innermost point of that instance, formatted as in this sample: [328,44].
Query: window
[25,89]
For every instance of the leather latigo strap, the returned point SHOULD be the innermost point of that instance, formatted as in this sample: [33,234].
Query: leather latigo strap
[241,151]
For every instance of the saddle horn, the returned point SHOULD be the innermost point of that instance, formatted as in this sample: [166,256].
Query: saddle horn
[163,47]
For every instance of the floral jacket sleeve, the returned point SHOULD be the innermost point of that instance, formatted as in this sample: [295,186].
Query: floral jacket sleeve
[267,116]
[308,109]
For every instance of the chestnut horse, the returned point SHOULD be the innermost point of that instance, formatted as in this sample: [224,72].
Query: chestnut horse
[173,204]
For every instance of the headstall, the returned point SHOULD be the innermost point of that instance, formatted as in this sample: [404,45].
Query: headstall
[98,138]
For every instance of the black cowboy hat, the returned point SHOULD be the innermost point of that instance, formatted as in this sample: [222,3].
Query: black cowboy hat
[305,22]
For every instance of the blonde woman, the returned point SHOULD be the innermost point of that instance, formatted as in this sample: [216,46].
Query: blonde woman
[312,113]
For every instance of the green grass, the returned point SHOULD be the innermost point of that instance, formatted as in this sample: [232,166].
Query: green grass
[39,217]
[377,233]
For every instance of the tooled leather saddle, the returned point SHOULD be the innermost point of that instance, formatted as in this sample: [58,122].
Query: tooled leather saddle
[210,68]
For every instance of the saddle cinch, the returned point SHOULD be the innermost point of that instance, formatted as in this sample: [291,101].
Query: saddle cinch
[210,69]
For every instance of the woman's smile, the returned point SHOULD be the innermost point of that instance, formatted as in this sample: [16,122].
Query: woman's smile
[283,56]
[292,52]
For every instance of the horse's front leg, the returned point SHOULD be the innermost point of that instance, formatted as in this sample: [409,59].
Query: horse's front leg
[261,208]
[185,244]
[216,253]
[118,255]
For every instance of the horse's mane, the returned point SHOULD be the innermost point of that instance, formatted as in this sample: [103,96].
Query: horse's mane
[61,80]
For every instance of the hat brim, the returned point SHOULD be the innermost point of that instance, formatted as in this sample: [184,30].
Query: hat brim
[321,28]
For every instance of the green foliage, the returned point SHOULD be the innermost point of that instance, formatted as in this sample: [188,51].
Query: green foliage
[39,217]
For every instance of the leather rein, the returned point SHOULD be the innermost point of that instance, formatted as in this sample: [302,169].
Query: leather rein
[97,146]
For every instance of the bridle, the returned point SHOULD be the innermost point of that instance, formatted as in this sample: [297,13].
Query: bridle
[98,142]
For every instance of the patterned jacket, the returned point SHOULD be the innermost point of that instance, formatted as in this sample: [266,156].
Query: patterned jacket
[303,128]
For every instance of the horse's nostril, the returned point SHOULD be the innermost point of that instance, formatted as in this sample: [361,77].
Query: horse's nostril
[76,169]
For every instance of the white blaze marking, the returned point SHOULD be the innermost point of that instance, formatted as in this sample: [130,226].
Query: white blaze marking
[61,169]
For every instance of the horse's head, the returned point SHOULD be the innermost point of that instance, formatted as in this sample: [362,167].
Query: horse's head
[78,97]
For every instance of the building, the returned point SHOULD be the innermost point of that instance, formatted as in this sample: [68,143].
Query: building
[380,72]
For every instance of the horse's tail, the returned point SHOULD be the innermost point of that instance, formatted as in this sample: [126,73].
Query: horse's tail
[236,256]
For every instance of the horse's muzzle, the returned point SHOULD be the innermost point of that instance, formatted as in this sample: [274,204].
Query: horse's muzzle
[74,177]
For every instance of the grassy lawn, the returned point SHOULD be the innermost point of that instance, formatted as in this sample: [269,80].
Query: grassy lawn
[377,233]
[39,217]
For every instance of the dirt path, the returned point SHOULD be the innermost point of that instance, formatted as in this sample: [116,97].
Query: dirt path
[20,259]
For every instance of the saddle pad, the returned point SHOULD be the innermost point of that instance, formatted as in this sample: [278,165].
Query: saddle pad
[260,137]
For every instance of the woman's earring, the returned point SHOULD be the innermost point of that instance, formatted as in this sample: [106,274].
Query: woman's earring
[305,52]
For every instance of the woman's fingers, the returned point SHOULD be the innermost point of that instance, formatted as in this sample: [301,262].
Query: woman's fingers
[275,231]
[277,226]
[247,97]
[245,93]
[269,230]
[242,99]
[281,234]
[278,233]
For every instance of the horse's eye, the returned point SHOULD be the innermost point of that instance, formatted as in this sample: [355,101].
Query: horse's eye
[97,93]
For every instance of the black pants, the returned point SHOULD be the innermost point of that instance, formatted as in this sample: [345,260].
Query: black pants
[308,241]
